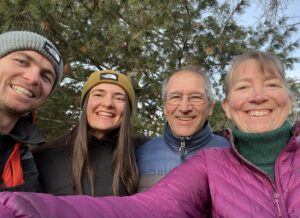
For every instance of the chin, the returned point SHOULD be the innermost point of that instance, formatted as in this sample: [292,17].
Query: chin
[184,133]
[260,129]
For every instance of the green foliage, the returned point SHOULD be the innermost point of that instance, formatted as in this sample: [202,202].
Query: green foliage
[295,90]
[219,120]
[144,39]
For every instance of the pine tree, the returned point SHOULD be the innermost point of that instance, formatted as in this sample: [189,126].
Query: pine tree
[145,40]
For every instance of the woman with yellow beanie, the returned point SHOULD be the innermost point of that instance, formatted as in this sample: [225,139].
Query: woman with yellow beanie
[97,157]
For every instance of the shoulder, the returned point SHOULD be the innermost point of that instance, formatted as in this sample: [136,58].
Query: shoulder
[139,140]
[220,141]
[151,144]
[59,143]
[57,149]
[214,158]
[213,153]
[53,163]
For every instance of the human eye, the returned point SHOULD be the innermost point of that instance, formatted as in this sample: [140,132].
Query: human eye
[175,98]
[119,98]
[273,84]
[21,61]
[197,98]
[97,94]
[241,87]
[48,77]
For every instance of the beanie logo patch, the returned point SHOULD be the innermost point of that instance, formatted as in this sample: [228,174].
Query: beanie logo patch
[52,52]
[109,76]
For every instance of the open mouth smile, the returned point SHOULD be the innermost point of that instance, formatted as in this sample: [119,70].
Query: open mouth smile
[105,114]
[259,113]
[22,91]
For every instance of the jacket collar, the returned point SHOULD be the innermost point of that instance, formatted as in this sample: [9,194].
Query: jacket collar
[292,145]
[25,131]
[192,143]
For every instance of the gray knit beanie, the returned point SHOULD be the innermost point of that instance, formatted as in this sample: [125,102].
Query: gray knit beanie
[25,40]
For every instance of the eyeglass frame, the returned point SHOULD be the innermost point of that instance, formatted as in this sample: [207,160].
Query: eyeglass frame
[196,99]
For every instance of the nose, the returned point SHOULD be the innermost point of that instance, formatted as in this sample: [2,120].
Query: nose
[107,101]
[258,95]
[185,105]
[32,75]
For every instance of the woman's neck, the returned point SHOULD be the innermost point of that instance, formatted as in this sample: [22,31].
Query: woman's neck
[262,149]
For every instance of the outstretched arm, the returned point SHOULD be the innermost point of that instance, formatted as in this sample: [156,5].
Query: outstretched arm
[183,193]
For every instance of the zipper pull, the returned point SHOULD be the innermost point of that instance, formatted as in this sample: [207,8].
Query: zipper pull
[182,150]
[276,202]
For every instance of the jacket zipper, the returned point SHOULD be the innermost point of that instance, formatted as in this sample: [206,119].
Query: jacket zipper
[277,188]
[182,150]
[276,202]
[276,194]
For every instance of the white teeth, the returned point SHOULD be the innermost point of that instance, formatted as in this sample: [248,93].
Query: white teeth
[22,90]
[107,114]
[258,113]
[185,118]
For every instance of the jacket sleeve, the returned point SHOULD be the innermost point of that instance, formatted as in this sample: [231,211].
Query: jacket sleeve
[183,193]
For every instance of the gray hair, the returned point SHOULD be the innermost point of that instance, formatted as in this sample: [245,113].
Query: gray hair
[194,69]
[267,63]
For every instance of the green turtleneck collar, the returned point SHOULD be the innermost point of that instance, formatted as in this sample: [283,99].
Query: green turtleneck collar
[262,149]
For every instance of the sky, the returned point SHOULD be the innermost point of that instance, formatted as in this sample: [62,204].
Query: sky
[292,9]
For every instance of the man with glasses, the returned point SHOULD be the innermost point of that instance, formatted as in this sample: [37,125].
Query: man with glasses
[188,101]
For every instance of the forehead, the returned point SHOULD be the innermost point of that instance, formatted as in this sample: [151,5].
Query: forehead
[30,54]
[252,68]
[108,87]
[186,81]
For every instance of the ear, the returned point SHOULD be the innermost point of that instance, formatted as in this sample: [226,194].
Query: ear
[292,103]
[226,109]
[165,110]
[210,108]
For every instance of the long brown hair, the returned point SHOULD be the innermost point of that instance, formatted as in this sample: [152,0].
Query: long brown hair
[125,168]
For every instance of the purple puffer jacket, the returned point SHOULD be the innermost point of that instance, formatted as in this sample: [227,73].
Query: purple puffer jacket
[216,181]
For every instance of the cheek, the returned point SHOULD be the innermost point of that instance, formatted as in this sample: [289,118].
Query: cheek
[168,110]
[89,115]
[92,104]
[167,113]
[235,103]
[47,89]
[283,100]
[121,110]
[89,110]
[286,103]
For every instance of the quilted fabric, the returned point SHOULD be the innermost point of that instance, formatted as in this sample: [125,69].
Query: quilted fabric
[216,182]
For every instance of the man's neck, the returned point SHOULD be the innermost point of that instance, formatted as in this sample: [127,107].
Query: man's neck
[7,123]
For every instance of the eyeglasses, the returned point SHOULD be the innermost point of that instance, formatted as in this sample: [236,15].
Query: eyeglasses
[194,99]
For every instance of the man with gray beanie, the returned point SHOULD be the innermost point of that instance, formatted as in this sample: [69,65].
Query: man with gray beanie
[30,69]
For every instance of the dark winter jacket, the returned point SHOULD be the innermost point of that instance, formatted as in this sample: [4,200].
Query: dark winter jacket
[215,180]
[17,166]
[159,156]
[54,164]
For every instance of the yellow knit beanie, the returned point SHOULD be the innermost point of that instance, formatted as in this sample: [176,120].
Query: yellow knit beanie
[109,76]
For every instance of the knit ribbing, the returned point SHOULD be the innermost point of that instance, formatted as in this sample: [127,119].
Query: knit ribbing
[24,40]
[262,149]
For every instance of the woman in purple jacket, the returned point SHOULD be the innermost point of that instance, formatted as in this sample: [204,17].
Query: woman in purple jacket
[258,176]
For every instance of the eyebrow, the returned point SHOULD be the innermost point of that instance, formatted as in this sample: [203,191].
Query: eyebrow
[45,70]
[103,90]
[180,93]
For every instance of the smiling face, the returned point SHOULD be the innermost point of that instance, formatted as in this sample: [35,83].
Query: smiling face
[257,101]
[105,108]
[26,80]
[186,106]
